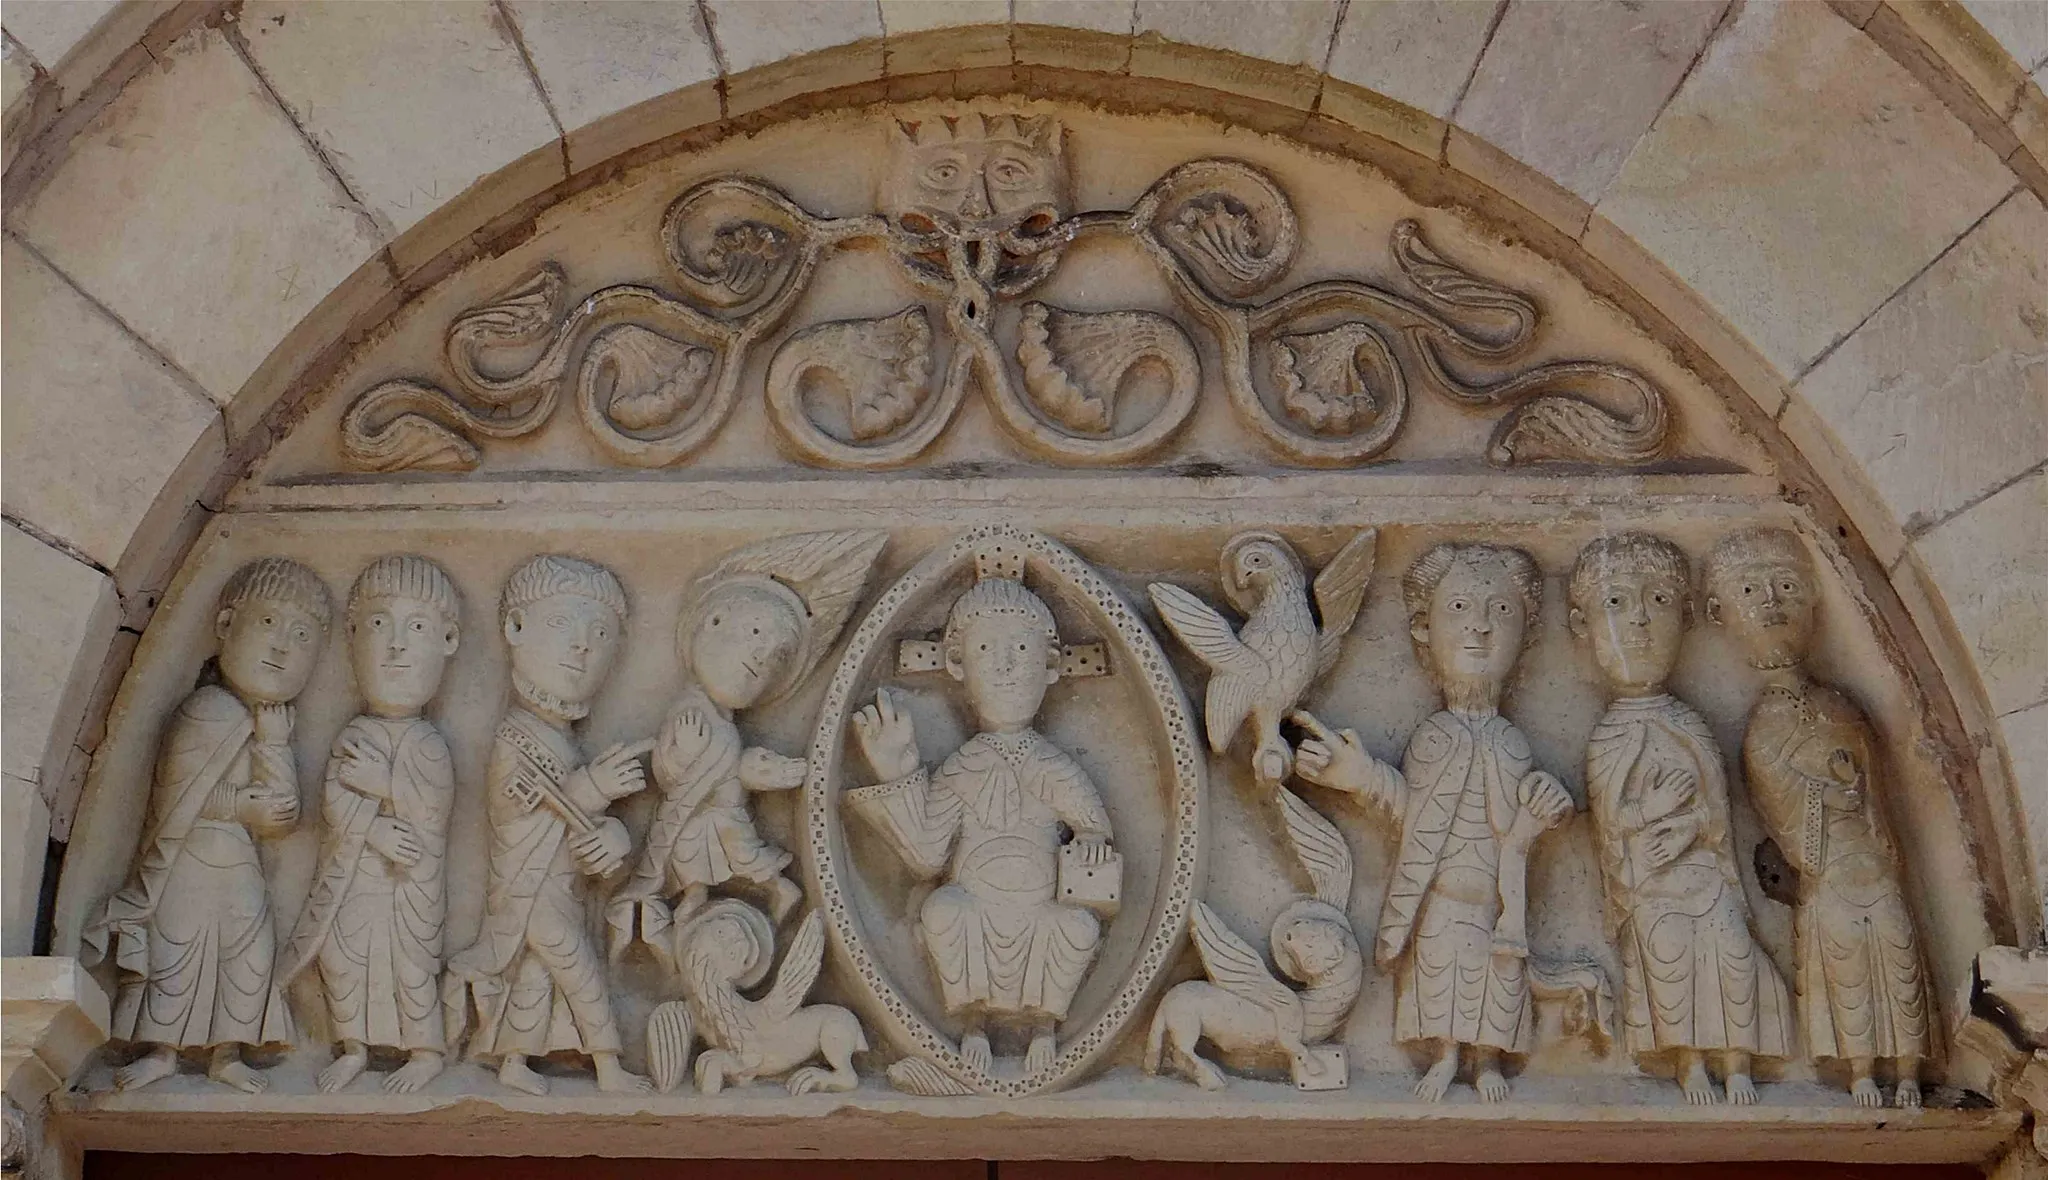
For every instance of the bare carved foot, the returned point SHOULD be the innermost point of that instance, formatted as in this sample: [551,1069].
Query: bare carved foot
[1205,1075]
[230,1070]
[1741,1090]
[514,1072]
[1908,1097]
[345,1069]
[423,1067]
[1040,1054]
[1491,1084]
[974,1051]
[158,1064]
[1697,1084]
[1864,1090]
[1437,1082]
[613,1078]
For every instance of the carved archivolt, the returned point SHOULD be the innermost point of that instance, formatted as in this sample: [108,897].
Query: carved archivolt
[976,212]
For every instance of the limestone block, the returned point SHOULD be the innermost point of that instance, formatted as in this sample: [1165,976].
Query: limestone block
[1568,88]
[2026,749]
[24,846]
[773,39]
[414,104]
[1991,564]
[599,59]
[50,31]
[96,429]
[57,1014]
[1755,185]
[59,614]
[244,214]
[1292,32]
[1417,53]
[1943,394]
[968,34]
[17,72]
[2021,27]
[1065,33]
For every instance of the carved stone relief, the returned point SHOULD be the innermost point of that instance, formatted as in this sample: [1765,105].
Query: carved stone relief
[936,824]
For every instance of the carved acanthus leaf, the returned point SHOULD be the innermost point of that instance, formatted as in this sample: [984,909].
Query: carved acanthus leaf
[1326,379]
[1075,362]
[884,367]
[646,380]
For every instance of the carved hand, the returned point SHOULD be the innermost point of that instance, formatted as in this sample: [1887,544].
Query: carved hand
[1663,842]
[363,771]
[602,850]
[1845,793]
[267,810]
[887,737]
[1337,760]
[1544,799]
[766,770]
[274,724]
[1093,849]
[274,769]
[396,841]
[617,772]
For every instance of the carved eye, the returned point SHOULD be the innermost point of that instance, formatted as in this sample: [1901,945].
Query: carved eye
[378,622]
[558,621]
[1748,590]
[1456,606]
[302,636]
[714,620]
[1502,608]
[270,620]
[1024,647]
[1788,586]
[984,647]
[419,626]
[945,173]
[757,630]
[1661,598]
[601,631]
[1614,601]
[1010,171]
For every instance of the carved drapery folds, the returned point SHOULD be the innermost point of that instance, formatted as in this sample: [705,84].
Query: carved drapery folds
[975,211]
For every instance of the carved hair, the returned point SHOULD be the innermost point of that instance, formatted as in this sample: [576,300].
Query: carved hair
[1746,547]
[998,598]
[280,579]
[551,574]
[1418,585]
[1639,554]
[406,575]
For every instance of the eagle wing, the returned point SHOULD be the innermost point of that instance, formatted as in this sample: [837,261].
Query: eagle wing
[799,970]
[1235,671]
[1235,967]
[1340,591]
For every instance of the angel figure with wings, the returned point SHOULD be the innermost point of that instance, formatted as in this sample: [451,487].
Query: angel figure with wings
[728,947]
[760,621]
[1243,1010]
[1262,670]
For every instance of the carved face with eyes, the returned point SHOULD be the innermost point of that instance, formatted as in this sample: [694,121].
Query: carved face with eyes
[1634,621]
[399,647]
[742,645]
[1764,595]
[563,647]
[975,176]
[1474,626]
[268,649]
[1006,661]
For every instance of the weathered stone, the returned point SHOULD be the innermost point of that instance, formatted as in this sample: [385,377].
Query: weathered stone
[1942,394]
[26,821]
[17,72]
[1991,563]
[60,612]
[1291,32]
[598,59]
[1568,88]
[244,213]
[765,48]
[2021,27]
[1065,33]
[2025,736]
[964,34]
[1418,53]
[413,105]
[1754,184]
[50,31]
[109,428]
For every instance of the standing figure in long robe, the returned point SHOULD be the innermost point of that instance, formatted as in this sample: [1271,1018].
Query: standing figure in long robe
[535,973]
[374,921]
[1470,802]
[191,933]
[1694,979]
[759,622]
[987,824]
[1813,765]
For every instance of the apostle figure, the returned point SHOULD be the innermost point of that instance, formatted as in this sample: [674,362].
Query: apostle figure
[535,973]
[191,933]
[373,923]
[761,620]
[987,824]
[1470,803]
[1813,766]
[1694,980]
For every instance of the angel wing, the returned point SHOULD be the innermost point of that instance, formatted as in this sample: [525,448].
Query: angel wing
[1234,669]
[799,970]
[1340,591]
[1320,848]
[1235,967]
[826,570]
